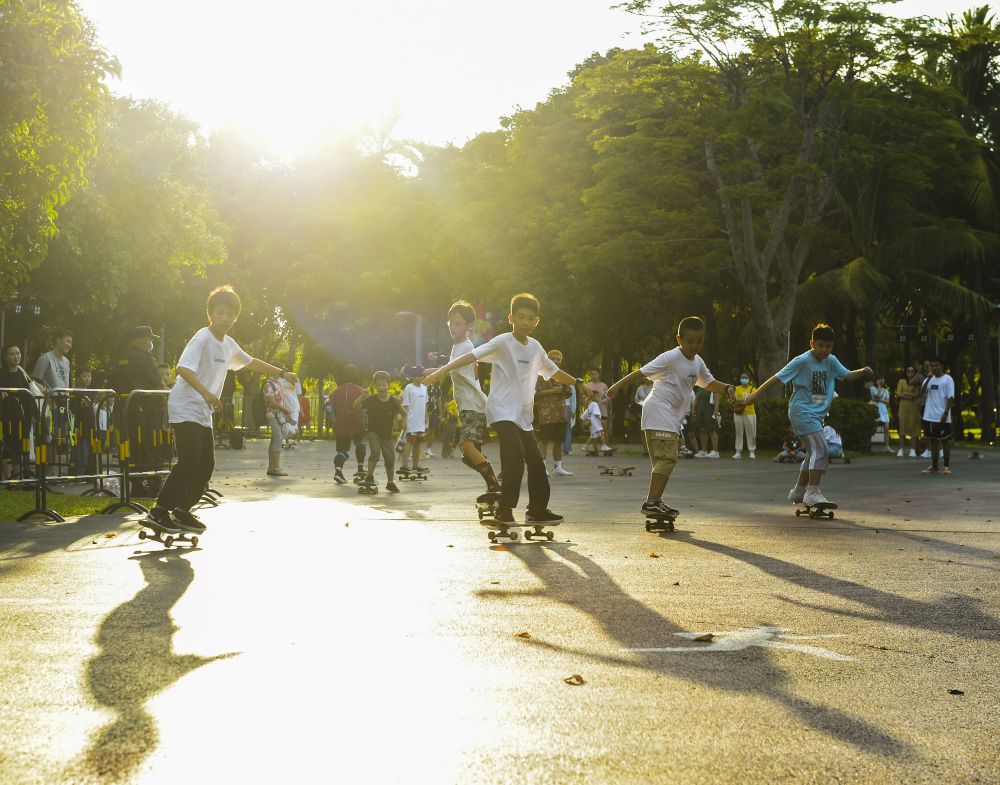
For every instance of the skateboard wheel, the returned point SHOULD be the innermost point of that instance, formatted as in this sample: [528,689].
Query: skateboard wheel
[649,527]
[514,536]
[550,536]
[142,534]
[194,542]
[168,541]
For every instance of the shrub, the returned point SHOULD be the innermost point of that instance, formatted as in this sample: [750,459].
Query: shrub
[854,421]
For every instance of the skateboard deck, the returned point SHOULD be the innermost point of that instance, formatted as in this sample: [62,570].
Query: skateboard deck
[367,487]
[359,477]
[821,510]
[619,471]
[657,522]
[147,532]
[413,474]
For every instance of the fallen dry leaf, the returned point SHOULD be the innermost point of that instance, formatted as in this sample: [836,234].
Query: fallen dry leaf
[677,583]
[654,556]
[495,583]
[524,635]
[575,680]
[956,692]
[109,535]
[451,546]
[704,638]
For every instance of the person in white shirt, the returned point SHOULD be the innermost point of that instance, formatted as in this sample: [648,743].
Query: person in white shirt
[518,360]
[415,406]
[940,390]
[592,418]
[201,373]
[469,396]
[674,375]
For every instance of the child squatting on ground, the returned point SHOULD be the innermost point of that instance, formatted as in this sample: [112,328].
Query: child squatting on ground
[674,375]
[518,360]
[812,374]
[201,372]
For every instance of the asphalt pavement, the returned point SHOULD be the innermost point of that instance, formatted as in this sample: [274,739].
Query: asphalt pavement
[319,635]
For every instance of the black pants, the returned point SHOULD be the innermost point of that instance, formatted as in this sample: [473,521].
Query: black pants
[195,464]
[519,449]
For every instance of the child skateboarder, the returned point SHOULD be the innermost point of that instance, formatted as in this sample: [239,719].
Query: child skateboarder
[415,405]
[201,373]
[518,360]
[383,410]
[674,375]
[812,375]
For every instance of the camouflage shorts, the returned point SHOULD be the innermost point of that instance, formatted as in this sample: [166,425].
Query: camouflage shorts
[473,426]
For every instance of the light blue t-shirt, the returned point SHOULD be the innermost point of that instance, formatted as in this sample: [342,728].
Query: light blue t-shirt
[812,391]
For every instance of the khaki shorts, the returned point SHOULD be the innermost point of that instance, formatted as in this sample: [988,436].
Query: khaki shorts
[663,449]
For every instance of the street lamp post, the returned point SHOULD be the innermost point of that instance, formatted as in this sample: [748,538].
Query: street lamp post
[419,321]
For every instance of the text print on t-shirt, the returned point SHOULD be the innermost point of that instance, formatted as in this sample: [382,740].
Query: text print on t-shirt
[819,387]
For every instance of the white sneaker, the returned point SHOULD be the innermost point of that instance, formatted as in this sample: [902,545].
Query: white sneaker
[796,495]
[753,456]
[737,456]
[913,453]
[559,471]
[901,453]
[429,454]
[605,448]
[925,454]
[713,454]
[815,497]
[701,454]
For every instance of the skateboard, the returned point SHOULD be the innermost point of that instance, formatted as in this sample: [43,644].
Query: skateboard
[367,486]
[620,471]
[166,539]
[486,507]
[599,453]
[359,477]
[658,522]
[821,510]
[413,474]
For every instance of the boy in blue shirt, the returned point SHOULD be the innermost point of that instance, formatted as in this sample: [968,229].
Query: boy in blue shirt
[812,375]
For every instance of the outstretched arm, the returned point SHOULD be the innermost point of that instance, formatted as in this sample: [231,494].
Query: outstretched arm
[859,373]
[725,389]
[774,381]
[438,373]
[624,382]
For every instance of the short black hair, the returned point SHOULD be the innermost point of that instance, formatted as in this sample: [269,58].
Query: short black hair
[223,295]
[525,300]
[690,324]
[464,309]
[164,365]
[349,374]
[380,376]
[63,332]
[823,332]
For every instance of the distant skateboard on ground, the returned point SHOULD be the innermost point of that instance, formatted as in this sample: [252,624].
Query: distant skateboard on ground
[620,471]
[659,522]
[367,485]
[821,510]
[486,507]
[598,453]
[413,474]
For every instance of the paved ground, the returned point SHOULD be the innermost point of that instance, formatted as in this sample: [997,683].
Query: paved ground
[322,636]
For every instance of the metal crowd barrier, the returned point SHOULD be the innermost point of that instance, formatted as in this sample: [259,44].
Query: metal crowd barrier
[145,445]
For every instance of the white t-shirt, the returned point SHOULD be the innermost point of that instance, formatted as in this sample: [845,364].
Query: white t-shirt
[674,377]
[592,416]
[290,393]
[830,435]
[516,368]
[210,359]
[939,390]
[415,401]
[469,396]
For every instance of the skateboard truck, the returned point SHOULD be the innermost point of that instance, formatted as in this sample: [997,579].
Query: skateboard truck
[821,510]
[617,471]
[657,522]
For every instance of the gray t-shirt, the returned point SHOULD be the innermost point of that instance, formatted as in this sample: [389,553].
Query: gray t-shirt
[52,370]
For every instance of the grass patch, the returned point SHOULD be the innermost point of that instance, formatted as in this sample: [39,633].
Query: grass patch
[13,504]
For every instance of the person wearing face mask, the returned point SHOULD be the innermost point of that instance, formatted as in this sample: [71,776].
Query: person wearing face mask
[745,422]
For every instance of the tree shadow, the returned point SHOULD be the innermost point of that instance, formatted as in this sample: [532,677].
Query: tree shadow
[634,625]
[135,663]
[957,615]
[19,541]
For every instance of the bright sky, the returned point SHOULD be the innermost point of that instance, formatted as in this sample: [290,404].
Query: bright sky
[293,71]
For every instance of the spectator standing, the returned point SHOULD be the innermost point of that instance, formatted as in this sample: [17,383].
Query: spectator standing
[598,392]
[907,392]
[879,398]
[745,421]
[16,413]
[550,413]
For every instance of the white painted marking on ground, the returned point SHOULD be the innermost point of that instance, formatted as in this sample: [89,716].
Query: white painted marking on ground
[762,637]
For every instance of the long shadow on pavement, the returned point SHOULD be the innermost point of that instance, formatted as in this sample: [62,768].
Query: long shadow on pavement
[135,663]
[957,615]
[20,541]
[634,625]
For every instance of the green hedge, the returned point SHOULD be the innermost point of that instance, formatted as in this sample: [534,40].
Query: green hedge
[854,421]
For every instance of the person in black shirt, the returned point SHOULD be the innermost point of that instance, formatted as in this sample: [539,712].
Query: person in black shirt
[382,410]
[16,411]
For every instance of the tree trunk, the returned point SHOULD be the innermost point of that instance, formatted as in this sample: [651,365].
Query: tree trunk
[987,379]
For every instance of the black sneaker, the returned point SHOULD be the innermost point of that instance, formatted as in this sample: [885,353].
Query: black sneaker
[158,519]
[338,476]
[543,516]
[658,508]
[188,520]
[391,487]
[504,515]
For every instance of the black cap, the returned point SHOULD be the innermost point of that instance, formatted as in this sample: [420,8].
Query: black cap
[145,331]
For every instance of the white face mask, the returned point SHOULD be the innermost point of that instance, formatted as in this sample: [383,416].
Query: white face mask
[744,380]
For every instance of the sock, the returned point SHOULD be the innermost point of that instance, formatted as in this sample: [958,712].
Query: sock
[812,488]
[556,464]
[652,499]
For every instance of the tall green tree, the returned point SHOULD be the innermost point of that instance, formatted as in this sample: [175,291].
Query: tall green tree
[52,91]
